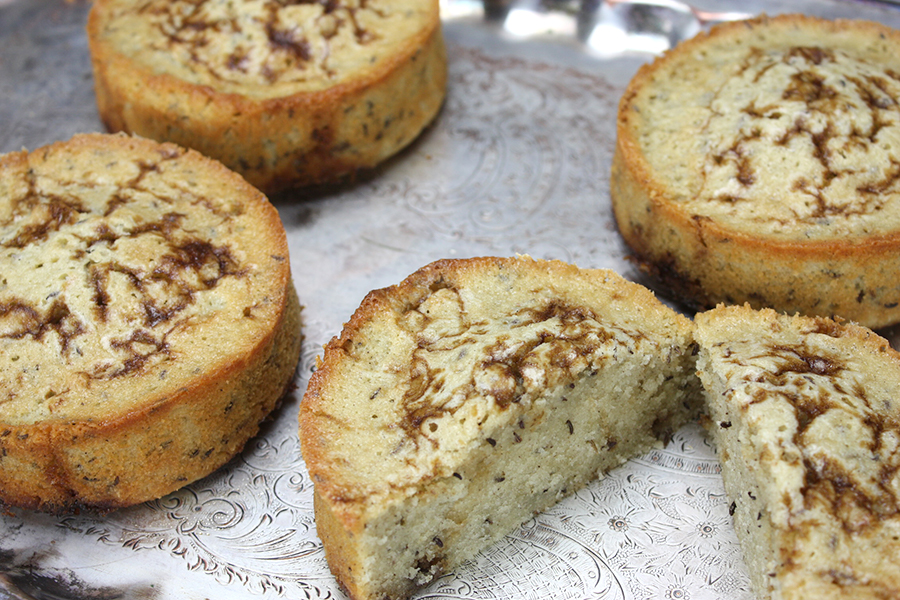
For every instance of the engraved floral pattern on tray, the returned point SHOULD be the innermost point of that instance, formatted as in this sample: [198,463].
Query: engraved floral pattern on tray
[533,140]
[528,143]
[251,524]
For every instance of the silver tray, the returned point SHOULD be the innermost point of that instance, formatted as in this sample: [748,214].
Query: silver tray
[517,162]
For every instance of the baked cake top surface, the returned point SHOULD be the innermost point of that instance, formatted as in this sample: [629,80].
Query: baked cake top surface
[820,421]
[263,48]
[788,127]
[127,269]
[428,369]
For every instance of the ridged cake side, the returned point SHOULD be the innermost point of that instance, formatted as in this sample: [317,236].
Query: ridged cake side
[474,394]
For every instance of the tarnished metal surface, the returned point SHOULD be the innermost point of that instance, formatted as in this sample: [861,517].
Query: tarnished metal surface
[517,162]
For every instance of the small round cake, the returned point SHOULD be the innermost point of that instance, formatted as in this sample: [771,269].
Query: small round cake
[760,163]
[285,93]
[148,321]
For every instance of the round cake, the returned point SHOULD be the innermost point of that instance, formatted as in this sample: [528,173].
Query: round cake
[760,163]
[476,393]
[285,93]
[148,321]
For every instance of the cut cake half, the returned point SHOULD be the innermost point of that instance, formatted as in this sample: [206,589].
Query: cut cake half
[476,393]
[806,417]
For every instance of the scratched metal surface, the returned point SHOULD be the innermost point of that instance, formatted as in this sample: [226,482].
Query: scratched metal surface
[516,162]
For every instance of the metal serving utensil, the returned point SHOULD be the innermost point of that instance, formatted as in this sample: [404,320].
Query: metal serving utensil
[606,27]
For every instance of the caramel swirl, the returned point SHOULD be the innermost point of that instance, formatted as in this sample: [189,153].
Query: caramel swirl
[802,139]
[843,450]
[462,371]
[304,44]
[103,275]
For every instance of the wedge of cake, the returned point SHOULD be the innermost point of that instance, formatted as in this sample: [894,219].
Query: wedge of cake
[759,162]
[474,394]
[148,322]
[284,93]
[805,413]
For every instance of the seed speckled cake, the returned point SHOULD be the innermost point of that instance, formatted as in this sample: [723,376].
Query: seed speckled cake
[474,394]
[806,419]
[759,163]
[148,322]
[284,93]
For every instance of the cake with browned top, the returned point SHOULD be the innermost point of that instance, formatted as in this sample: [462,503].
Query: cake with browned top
[148,322]
[758,163]
[285,93]
[805,415]
[472,395]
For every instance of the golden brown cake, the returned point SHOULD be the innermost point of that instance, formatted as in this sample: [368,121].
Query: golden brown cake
[760,163]
[806,419]
[474,394]
[148,322]
[285,93]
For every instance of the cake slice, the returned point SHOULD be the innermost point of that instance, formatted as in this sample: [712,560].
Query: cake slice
[476,393]
[806,416]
